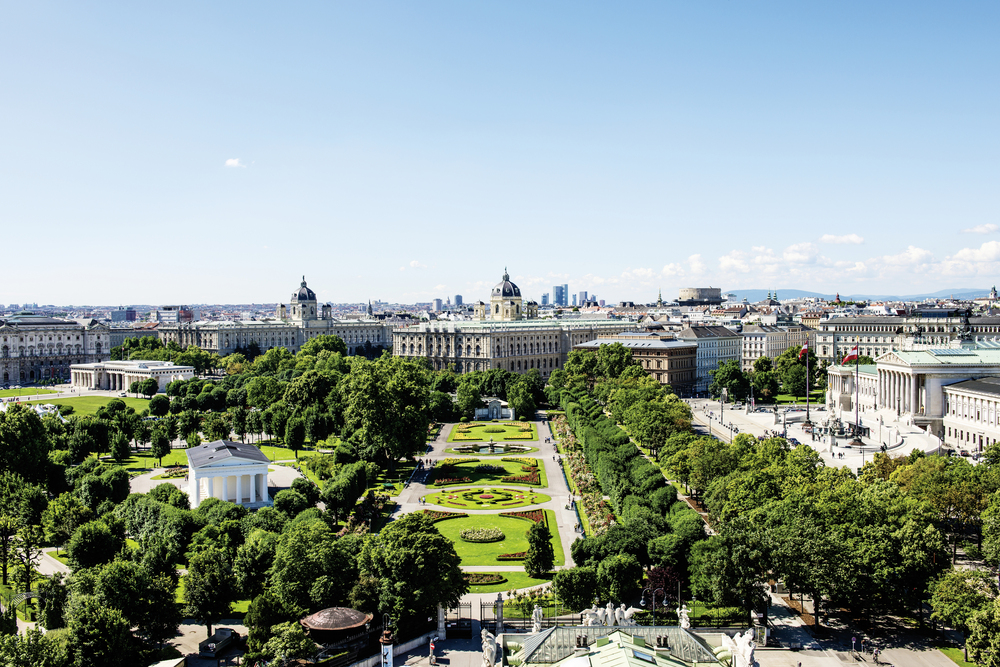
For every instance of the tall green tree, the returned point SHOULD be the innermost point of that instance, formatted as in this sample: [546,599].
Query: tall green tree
[208,587]
[958,595]
[540,556]
[386,414]
[417,568]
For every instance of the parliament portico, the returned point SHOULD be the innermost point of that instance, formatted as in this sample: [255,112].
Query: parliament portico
[913,384]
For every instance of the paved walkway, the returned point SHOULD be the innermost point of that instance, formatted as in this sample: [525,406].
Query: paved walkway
[901,437]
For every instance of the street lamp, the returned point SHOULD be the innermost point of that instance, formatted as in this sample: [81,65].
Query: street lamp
[642,600]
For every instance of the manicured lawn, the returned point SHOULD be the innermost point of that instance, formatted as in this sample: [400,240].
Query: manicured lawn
[470,498]
[26,391]
[515,580]
[515,539]
[88,405]
[512,468]
[144,461]
[816,397]
[477,432]
[956,655]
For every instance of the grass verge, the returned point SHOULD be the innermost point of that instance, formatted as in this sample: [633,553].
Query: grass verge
[88,405]
[515,580]
[515,539]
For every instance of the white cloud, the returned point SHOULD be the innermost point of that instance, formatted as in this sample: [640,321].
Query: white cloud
[912,256]
[800,253]
[988,252]
[235,162]
[981,229]
[846,239]
[417,265]
[672,269]
[734,261]
[696,264]
[440,288]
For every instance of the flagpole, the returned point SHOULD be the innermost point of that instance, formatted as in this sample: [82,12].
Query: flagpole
[807,422]
[857,421]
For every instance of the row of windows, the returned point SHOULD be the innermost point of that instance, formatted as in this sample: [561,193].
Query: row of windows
[40,338]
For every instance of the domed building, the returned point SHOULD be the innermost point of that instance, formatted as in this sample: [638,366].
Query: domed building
[506,333]
[506,304]
[294,324]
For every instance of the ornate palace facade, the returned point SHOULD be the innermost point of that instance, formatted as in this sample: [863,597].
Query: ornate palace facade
[295,323]
[33,347]
[511,339]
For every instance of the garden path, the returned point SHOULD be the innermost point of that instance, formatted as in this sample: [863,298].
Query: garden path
[557,490]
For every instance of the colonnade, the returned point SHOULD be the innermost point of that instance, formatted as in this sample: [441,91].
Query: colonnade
[237,488]
[107,379]
[899,391]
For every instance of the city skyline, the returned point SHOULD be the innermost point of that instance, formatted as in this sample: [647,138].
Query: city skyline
[191,154]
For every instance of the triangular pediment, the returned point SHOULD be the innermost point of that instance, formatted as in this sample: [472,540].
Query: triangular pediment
[891,358]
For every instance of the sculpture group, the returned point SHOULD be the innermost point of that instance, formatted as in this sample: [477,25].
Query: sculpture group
[741,647]
[609,615]
[489,648]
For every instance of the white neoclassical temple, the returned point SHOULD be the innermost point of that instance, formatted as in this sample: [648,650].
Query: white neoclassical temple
[232,471]
[119,375]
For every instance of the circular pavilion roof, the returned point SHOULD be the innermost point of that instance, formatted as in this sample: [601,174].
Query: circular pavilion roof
[336,618]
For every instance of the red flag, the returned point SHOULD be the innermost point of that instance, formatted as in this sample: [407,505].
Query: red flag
[850,356]
[804,351]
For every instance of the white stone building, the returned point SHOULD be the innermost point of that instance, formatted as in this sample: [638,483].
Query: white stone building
[972,414]
[771,341]
[231,471]
[35,347]
[119,375]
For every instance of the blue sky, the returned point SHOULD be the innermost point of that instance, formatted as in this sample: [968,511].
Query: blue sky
[214,152]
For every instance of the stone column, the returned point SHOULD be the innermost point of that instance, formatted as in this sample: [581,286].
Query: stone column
[263,487]
[239,489]
[253,488]
[196,483]
[211,487]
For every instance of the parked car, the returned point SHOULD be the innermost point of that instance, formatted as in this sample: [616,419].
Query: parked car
[122,394]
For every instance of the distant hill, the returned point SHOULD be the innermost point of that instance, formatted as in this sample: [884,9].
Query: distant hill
[753,295]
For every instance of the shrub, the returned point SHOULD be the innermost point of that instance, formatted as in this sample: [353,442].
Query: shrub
[494,429]
[483,578]
[482,535]
[520,555]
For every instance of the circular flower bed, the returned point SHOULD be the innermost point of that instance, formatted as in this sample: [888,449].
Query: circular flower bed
[482,535]
[487,497]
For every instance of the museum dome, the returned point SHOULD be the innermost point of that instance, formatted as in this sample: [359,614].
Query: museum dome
[304,293]
[506,288]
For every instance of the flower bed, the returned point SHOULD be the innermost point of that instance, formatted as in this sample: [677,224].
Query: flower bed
[536,516]
[483,578]
[530,478]
[519,437]
[437,515]
[494,429]
[521,555]
[453,461]
[452,480]
[482,535]
[491,469]
[523,460]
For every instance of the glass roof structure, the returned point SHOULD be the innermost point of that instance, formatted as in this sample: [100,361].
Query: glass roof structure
[556,644]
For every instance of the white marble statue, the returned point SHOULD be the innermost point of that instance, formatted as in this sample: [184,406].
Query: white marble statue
[682,614]
[536,619]
[590,617]
[489,648]
[741,647]
[609,614]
